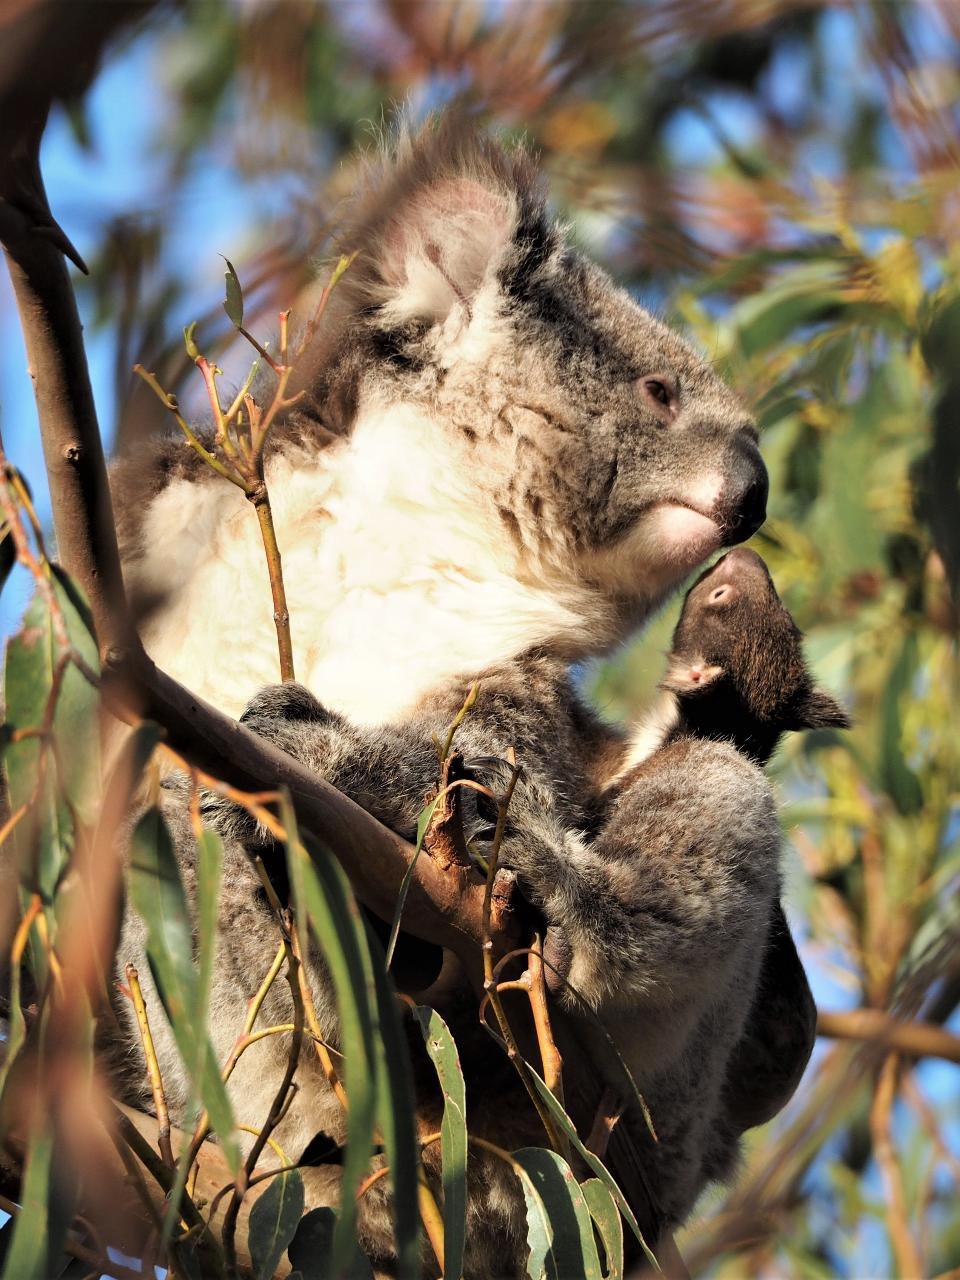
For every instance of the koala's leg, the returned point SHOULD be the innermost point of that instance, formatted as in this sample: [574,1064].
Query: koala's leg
[658,907]
[769,1060]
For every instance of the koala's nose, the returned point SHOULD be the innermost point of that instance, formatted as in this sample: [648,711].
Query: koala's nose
[744,501]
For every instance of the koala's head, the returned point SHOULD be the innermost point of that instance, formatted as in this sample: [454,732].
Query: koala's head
[605,452]
[736,665]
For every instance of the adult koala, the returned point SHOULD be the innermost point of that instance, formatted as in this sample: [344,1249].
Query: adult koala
[502,465]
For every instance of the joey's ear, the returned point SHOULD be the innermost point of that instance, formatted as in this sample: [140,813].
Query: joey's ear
[818,709]
[690,675]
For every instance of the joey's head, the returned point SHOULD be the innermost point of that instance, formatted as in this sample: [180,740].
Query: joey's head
[589,444]
[736,666]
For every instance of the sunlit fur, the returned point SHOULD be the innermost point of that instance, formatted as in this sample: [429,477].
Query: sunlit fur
[476,483]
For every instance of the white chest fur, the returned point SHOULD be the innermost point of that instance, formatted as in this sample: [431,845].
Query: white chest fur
[396,577]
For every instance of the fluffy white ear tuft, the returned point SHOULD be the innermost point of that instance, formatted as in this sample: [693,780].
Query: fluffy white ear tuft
[440,247]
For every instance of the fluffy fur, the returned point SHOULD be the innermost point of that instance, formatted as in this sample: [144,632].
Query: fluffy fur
[502,464]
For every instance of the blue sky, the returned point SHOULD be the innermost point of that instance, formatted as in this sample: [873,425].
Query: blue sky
[217,211]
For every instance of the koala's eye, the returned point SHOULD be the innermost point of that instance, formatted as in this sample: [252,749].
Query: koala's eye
[720,594]
[660,393]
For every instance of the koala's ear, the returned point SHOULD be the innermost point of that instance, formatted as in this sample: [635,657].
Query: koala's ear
[441,246]
[447,210]
[690,675]
[818,709]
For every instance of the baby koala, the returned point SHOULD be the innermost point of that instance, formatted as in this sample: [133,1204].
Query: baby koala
[736,671]
[736,674]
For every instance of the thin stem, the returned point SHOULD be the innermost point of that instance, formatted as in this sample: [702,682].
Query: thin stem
[153,1067]
[431,1217]
[281,615]
[319,1043]
[489,982]
[170,403]
[905,1252]
[276,1113]
[912,1039]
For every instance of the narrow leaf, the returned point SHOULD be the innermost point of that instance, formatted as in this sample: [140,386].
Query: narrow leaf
[573,1251]
[233,304]
[158,896]
[606,1216]
[395,1117]
[442,1049]
[273,1222]
[326,908]
[311,1249]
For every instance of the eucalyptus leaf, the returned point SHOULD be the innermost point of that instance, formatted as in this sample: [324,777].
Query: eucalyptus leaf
[606,1216]
[159,899]
[274,1219]
[233,303]
[442,1050]
[311,1249]
[573,1250]
[326,908]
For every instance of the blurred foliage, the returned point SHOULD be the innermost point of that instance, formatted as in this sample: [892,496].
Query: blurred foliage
[781,179]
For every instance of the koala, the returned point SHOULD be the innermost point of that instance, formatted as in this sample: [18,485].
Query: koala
[501,465]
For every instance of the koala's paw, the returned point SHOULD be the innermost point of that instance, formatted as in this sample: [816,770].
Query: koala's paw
[289,701]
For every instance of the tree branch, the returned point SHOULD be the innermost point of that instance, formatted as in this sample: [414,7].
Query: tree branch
[912,1039]
[444,904]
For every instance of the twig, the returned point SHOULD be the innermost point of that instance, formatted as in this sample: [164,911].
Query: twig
[316,1031]
[276,1112]
[490,985]
[906,1255]
[608,1113]
[431,1217]
[153,1067]
[912,1039]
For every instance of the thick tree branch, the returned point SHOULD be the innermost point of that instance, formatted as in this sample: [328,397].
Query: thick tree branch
[912,1039]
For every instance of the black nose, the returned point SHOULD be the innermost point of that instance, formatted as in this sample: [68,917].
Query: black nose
[745,497]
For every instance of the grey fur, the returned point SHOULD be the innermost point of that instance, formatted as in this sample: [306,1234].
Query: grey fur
[577,419]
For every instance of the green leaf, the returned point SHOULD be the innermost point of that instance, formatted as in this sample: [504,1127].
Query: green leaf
[311,1249]
[273,1222]
[189,340]
[209,872]
[573,1251]
[46,1209]
[396,1108]
[158,896]
[233,304]
[899,780]
[325,907]
[594,1162]
[442,1049]
[606,1216]
[539,1230]
[423,822]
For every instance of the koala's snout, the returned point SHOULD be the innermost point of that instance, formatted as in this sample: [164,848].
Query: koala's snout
[743,504]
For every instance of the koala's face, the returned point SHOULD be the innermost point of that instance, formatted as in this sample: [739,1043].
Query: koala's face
[737,653]
[623,438]
[606,453]
[734,628]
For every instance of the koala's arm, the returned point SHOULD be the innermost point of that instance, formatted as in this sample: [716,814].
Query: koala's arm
[661,904]
[651,907]
[387,771]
